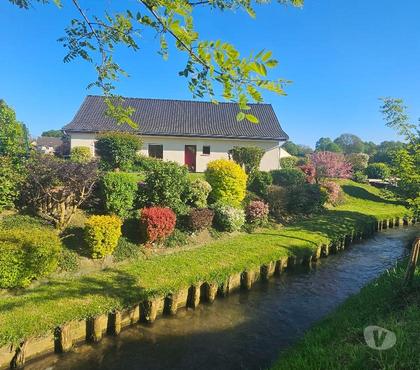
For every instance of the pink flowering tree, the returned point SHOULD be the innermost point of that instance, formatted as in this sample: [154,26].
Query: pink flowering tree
[330,165]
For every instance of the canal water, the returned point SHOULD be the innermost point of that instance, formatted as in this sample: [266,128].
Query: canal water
[246,330]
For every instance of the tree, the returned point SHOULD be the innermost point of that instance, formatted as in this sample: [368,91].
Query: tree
[406,161]
[52,133]
[330,165]
[325,144]
[54,188]
[248,157]
[13,134]
[118,150]
[296,150]
[386,151]
[370,148]
[358,161]
[94,39]
[350,143]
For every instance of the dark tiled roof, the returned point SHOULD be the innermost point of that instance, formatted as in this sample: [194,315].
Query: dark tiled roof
[180,118]
[49,141]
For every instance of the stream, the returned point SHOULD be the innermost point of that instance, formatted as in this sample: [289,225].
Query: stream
[248,329]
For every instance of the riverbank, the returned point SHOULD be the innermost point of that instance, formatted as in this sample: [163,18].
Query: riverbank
[338,341]
[169,282]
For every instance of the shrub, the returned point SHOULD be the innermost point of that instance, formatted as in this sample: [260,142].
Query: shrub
[118,150]
[248,157]
[10,181]
[68,260]
[198,192]
[119,192]
[157,223]
[358,161]
[55,189]
[176,239]
[259,183]
[257,213]
[27,254]
[289,162]
[102,234]
[288,177]
[166,185]
[378,171]
[144,164]
[360,177]
[334,192]
[330,165]
[199,219]
[228,218]
[277,198]
[228,182]
[80,154]
[309,171]
[306,199]
[125,250]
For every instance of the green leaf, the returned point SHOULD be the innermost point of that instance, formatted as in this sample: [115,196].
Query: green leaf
[251,118]
[240,116]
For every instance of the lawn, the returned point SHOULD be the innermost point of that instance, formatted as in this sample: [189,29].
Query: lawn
[40,309]
[337,342]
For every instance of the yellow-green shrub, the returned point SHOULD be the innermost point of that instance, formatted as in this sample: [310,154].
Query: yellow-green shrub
[228,182]
[102,234]
[27,254]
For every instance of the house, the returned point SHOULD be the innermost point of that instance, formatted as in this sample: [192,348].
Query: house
[49,145]
[188,132]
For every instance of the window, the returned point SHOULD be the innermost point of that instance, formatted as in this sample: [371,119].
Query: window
[156,151]
[206,150]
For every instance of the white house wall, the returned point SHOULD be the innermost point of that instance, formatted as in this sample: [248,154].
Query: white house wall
[173,148]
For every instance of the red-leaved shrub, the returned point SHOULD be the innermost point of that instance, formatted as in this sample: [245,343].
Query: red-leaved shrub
[334,192]
[157,223]
[200,218]
[256,212]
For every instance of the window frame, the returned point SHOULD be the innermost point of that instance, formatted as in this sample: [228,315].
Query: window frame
[206,146]
[150,152]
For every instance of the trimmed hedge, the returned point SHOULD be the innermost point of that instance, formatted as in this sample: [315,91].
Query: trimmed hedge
[119,192]
[257,213]
[157,223]
[166,185]
[27,254]
[198,193]
[200,219]
[118,150]
[102,234]
[228,182]
[80,154]
[227,218]
[288,177]
[378,171]
[259,183]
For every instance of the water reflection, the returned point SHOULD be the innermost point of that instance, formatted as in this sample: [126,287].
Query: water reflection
[245,330]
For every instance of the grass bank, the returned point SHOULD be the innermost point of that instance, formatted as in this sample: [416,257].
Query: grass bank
[38,310]
[338,342]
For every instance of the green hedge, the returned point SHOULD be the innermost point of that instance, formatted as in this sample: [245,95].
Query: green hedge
[119,192]
[27,254]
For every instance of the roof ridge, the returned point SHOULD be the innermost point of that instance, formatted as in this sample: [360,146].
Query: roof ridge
[179,100]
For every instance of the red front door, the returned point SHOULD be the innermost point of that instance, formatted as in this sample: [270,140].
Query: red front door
[190,157]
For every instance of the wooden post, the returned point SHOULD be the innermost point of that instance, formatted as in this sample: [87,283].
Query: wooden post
[412,263]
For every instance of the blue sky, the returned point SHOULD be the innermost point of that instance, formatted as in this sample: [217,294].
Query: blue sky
[341,56]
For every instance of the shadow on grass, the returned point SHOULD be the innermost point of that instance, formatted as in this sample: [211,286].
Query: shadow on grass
[112,283]
[73,239]
[360,193]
